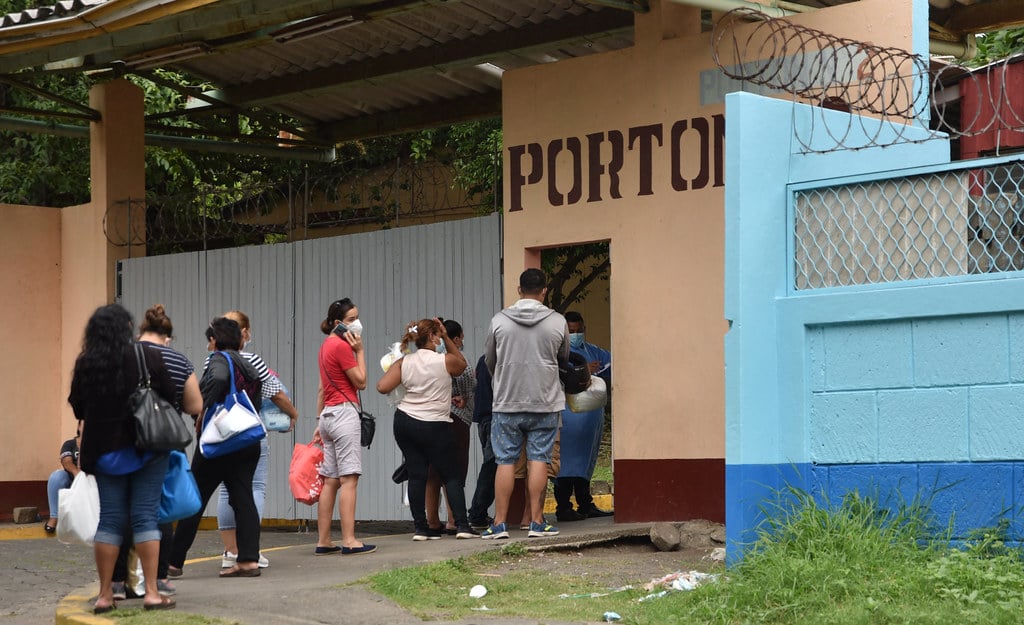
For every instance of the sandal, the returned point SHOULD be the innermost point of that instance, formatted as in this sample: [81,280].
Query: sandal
[240,572]
[104,609]
[166,603]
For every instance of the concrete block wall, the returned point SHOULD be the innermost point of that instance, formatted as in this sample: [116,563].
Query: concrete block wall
[906,391]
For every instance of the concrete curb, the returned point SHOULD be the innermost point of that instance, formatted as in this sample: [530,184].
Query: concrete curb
[76,608]
[35,531]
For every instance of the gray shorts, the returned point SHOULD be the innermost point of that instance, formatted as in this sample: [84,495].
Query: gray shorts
[339,429]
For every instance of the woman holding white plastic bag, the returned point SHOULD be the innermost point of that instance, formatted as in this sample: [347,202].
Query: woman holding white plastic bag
[423,421]
[129,480]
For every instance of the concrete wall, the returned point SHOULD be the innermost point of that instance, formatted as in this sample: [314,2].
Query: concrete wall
[904,390]
[30,331]
[628,147]
[59,266]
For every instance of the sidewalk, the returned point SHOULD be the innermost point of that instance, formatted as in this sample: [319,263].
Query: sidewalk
[301,588]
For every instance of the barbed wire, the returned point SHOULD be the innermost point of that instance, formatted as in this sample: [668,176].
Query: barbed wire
[894,96]
[210,218]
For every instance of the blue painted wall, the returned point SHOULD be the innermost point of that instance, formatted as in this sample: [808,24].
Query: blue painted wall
[906,391]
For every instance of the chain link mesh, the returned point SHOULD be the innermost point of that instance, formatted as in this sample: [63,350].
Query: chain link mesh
[944,224]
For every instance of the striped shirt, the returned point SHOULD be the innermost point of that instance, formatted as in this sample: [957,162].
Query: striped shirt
[179,368]
[271,385]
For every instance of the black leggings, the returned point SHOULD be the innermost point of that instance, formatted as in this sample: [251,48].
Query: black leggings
[235,470]
[430,444]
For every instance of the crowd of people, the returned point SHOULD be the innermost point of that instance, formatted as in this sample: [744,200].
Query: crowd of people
[513,393]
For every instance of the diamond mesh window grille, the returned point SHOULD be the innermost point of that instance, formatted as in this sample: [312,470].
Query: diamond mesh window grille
[934,225]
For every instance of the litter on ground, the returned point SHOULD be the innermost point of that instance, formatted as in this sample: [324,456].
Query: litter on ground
[677,581]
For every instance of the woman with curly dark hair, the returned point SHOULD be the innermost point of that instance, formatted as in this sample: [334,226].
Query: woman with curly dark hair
[129,480]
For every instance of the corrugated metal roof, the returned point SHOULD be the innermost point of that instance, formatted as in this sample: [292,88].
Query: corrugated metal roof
[61,9]
[342,68]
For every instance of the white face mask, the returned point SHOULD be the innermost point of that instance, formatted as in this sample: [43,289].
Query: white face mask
[356,327]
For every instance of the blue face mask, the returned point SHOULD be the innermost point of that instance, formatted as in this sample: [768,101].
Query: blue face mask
[576,339]
[440,348]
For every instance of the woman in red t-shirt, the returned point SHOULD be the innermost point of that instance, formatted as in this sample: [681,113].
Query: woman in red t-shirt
[342,376]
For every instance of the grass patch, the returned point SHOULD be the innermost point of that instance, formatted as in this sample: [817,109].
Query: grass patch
[441,590]
[140,616]
[851,564]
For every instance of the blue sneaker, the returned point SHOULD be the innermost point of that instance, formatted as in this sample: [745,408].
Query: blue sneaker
[495,531]
[539,530]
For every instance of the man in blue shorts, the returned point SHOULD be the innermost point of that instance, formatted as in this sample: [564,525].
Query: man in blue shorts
[524,343]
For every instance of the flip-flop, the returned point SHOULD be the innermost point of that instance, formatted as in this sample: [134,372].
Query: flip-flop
[351,551]
[104,609]
[240,572]
[166,603]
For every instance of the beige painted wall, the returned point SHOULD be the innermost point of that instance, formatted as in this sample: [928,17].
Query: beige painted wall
[30,330]
[58,267]
[667,321]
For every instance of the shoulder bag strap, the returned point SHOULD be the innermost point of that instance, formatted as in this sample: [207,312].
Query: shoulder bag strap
[343,394]
[231,371]
[140,360]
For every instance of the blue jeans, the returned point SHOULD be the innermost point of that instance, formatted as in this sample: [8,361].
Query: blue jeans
[58,479]
[509,430]
[225,514]
[133,498]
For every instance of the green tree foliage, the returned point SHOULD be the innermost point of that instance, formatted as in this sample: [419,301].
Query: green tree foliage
[572,270]
[998,45]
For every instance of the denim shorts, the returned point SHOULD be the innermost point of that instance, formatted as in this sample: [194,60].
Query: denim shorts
[509,430]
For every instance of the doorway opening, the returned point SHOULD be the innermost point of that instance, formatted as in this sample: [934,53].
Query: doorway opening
[579,283]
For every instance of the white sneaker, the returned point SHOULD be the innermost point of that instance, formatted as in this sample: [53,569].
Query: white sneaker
[229,559]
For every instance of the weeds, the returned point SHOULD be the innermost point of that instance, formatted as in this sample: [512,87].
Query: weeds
[853,563]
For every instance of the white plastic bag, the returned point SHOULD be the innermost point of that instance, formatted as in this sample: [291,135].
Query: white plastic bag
[596,396]
[78,511]
[388,359]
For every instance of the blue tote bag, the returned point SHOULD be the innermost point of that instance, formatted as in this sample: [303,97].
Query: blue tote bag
[180,497]
[232,424]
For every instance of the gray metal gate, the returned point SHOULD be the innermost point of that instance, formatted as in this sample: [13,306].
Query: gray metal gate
[450,269]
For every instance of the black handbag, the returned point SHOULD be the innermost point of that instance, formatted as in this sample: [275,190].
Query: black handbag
[367,428]
[158,424]
[400,474]
[574,373]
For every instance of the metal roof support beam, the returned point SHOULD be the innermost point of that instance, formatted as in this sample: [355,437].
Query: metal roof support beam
[482,106]
[628,5]
[86,112]
[218,103]
[326,155]
[462,52]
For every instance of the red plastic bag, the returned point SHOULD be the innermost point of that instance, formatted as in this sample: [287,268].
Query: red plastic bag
[304,474]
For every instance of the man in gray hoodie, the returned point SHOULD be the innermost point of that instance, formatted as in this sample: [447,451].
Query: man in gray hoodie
[524,343]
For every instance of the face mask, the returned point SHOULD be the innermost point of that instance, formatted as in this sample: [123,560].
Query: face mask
[576,340]
[356,327]
[440,348]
